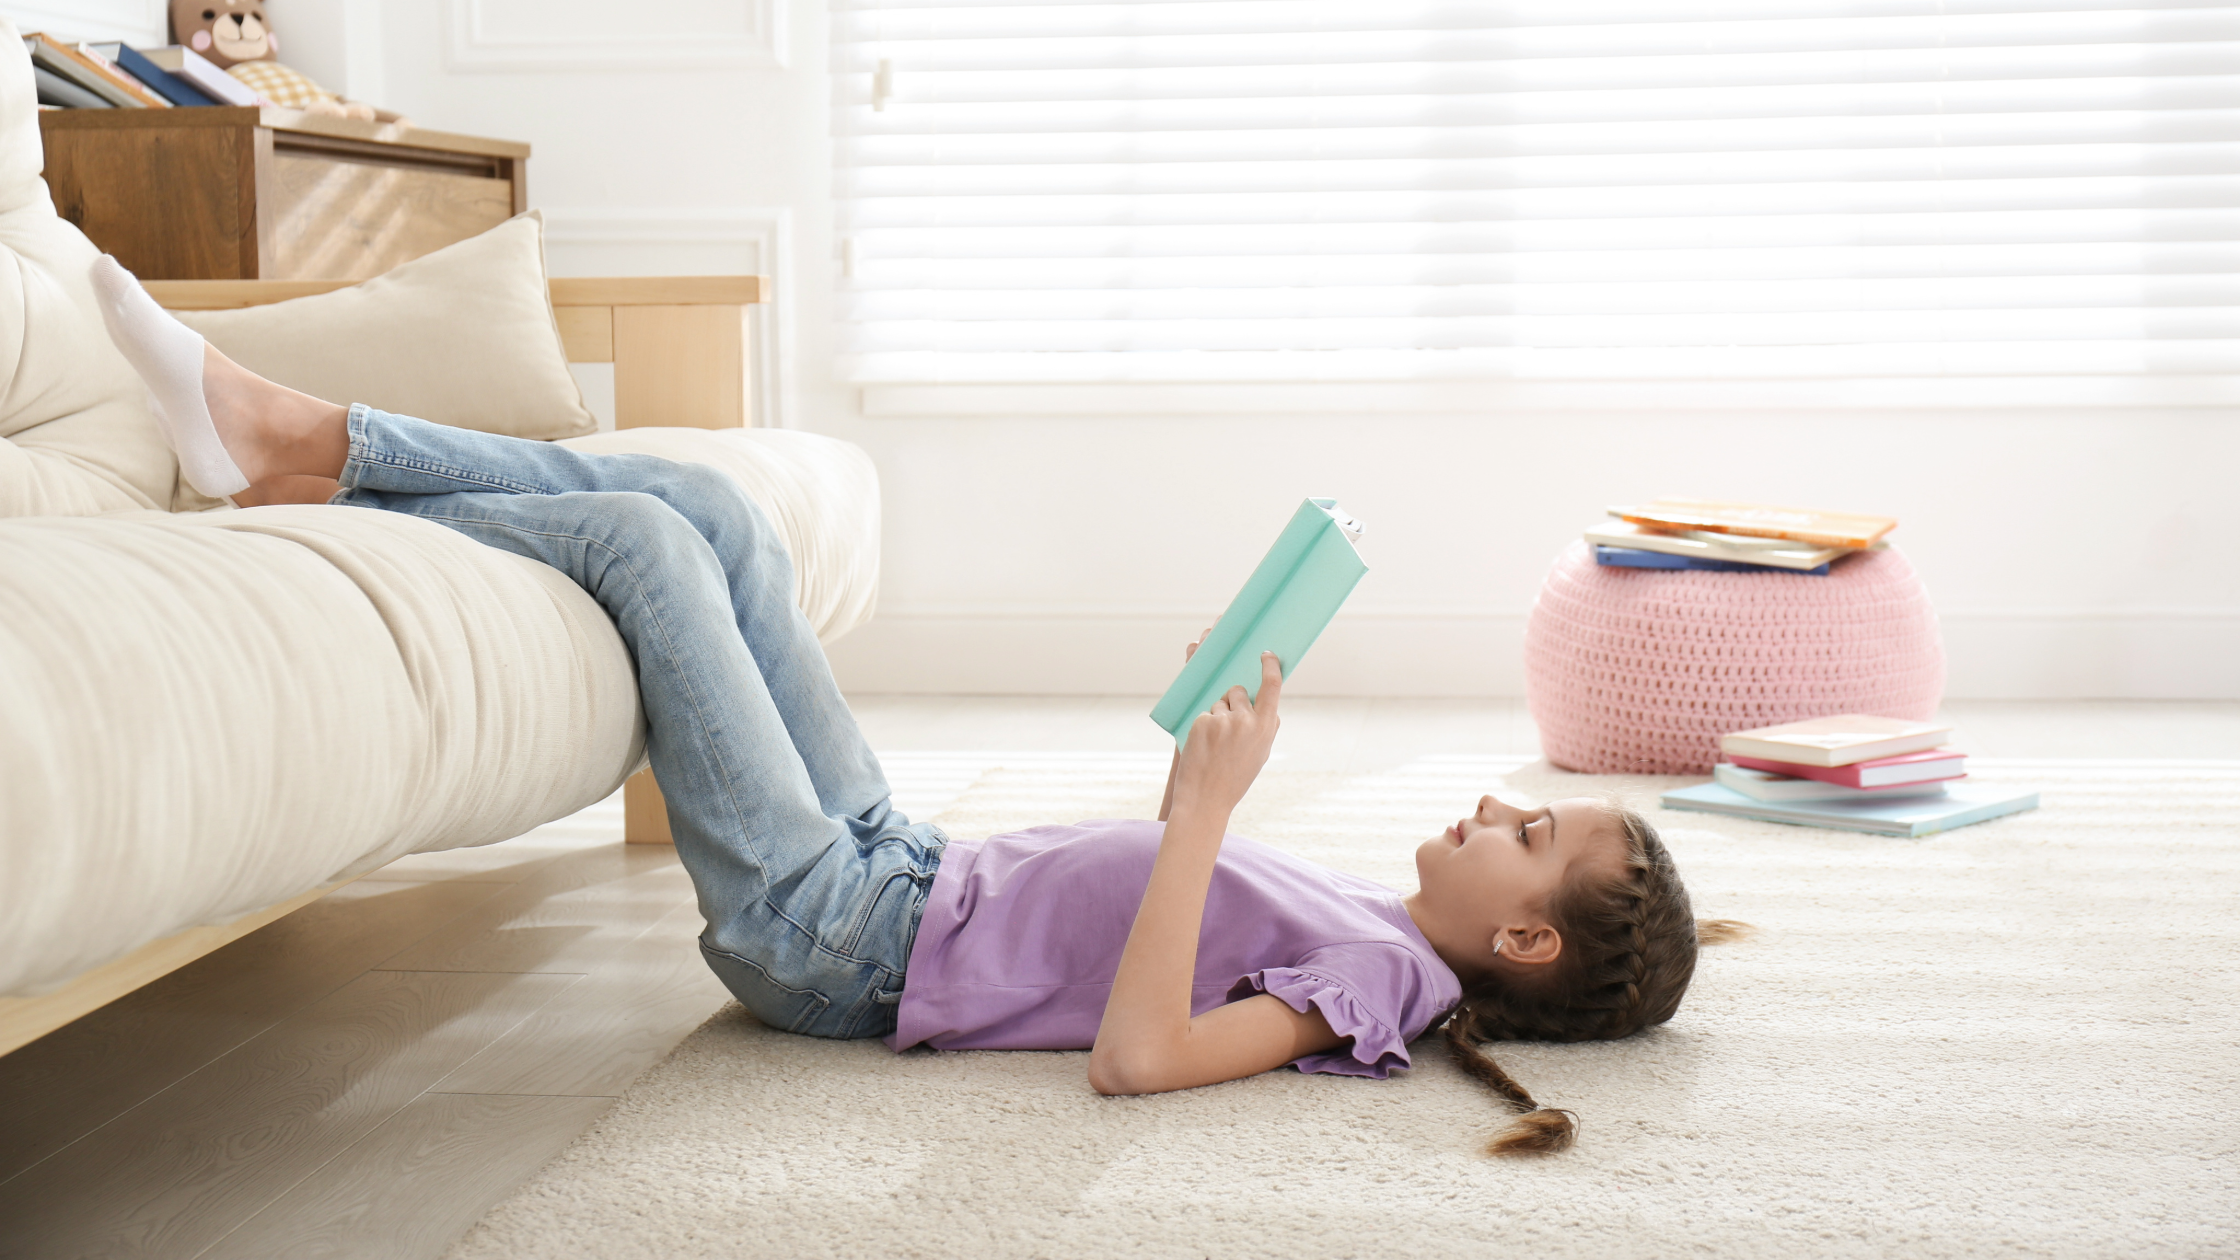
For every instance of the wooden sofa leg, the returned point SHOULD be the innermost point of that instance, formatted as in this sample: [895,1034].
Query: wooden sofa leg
[645,816]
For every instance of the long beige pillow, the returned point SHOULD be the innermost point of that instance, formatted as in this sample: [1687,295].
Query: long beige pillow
[464,336]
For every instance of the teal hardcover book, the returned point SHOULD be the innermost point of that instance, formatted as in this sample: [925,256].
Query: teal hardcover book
[1283,609]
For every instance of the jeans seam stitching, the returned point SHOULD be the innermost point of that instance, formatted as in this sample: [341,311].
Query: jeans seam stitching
[409,463]
[862,918]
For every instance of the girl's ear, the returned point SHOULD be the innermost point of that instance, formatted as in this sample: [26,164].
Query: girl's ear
[1531,944]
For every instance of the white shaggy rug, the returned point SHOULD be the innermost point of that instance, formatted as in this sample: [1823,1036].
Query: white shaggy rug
[2020,1038]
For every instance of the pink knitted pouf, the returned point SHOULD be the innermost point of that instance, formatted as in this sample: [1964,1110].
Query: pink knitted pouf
[1642,670]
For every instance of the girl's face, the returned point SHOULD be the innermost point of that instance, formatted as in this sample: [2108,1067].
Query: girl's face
[1493,873]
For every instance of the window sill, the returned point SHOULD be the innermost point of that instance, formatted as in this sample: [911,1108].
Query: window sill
[1137,398]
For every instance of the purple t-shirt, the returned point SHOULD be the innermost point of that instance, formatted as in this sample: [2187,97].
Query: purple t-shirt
[1022,935]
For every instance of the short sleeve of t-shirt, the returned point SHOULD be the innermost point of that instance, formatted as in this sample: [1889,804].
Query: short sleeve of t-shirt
[1376,994]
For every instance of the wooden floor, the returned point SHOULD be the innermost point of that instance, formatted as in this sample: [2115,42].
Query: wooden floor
[368,1075]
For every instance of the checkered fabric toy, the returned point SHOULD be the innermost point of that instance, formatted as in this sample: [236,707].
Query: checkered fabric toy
[237,37]
[282,85]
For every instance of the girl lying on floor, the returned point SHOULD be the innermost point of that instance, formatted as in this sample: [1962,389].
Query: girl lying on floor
[1176,954]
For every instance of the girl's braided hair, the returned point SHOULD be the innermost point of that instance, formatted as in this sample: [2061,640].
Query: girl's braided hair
[1629,950]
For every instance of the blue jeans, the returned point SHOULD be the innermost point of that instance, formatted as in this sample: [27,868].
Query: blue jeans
[811,881]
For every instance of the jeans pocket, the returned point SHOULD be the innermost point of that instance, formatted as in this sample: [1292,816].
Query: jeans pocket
[777,1005]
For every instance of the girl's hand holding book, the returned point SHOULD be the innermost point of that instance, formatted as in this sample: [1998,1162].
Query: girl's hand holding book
[1229,744]
[1148,1041]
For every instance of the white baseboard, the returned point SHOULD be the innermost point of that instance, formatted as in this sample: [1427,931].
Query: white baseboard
[2116,654]
[2147,654]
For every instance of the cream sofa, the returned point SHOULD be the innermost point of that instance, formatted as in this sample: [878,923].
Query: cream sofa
[209,716]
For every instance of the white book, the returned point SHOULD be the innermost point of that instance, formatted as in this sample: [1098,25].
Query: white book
[215,83]
[1760,785]
[1835,741]
[1776,552]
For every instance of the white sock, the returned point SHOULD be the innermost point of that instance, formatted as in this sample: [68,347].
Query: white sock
[168,356]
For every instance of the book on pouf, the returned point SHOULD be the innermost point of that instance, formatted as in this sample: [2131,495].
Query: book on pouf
[1639,558]
[1810,526]
[1772,553]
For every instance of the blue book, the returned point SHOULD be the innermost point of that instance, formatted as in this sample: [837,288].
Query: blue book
[1283,609]
[159,80]
[1635,558]
[1913,816]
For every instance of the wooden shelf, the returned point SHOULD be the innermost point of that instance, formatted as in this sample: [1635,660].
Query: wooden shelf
[246,193]
[291,121]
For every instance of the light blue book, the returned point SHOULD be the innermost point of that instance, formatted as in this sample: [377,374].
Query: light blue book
[1914,816]
[1283,609]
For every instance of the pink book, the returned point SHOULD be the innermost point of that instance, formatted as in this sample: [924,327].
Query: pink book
[1929,766]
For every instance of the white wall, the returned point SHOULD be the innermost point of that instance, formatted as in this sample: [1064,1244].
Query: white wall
[2072,553]
[138,22]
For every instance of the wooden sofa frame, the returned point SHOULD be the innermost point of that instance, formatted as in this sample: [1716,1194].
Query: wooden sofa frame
[680,346]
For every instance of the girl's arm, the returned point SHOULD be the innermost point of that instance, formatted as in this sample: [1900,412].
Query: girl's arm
[1166,802]
[1166,799]
[1148,1041]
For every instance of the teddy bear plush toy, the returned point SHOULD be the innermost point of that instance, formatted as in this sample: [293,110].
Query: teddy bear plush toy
[234,35]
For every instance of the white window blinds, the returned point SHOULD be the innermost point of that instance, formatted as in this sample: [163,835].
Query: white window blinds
[1299,190]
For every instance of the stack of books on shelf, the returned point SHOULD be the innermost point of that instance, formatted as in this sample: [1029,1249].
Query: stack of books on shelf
[1733,537]
[1852,773]
[116,76]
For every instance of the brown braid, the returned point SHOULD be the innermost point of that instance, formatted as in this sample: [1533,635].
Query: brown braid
[1629,950]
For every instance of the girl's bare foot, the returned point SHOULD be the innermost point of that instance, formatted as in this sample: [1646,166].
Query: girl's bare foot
[289,489]
[230,427]
[270,430]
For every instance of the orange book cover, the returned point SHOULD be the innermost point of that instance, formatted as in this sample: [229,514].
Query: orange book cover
[1760,520]
[100,68]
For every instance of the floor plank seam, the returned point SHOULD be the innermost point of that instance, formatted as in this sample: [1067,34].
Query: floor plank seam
[508,1093]
[283,1191]
[470,971]
[497,890]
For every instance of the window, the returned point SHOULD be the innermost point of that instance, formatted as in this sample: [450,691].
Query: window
[2016,199]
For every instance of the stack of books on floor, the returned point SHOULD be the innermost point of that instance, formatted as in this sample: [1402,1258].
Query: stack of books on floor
[1733,537]
[1852,773]
[117,76]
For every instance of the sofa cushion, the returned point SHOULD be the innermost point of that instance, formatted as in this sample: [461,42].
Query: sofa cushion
[464,336]
[75,433]
[210,712]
